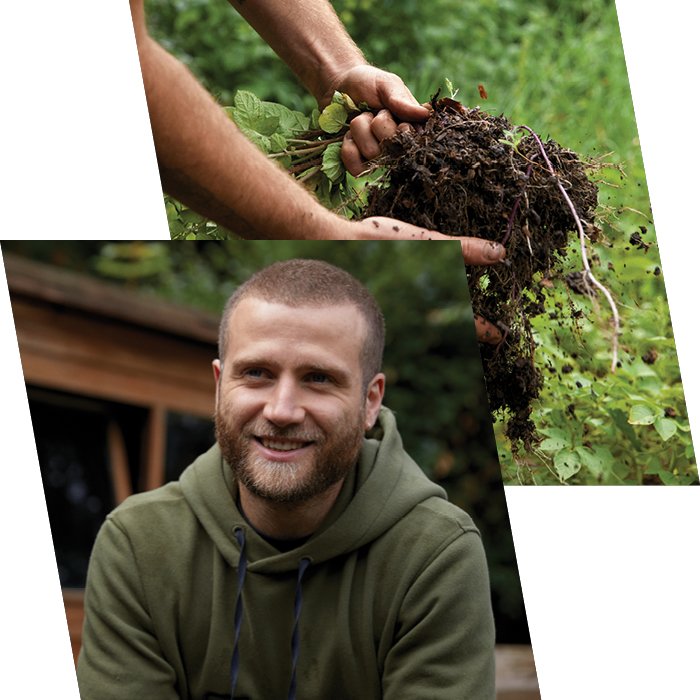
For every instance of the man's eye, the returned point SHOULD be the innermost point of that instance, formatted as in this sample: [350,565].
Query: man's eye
[319,377]
[253,373]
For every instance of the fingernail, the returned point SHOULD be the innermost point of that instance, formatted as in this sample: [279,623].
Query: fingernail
[494,251]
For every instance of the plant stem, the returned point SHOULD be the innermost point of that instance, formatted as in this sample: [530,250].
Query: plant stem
[310,173]
[303,165]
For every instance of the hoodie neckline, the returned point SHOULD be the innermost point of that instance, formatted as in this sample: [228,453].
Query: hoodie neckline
[381,489]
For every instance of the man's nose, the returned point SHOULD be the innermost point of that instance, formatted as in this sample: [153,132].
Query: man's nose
[283,405]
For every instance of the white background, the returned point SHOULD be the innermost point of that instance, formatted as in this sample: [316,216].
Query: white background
[610,576]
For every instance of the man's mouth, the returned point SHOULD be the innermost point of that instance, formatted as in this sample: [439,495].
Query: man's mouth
[281,444]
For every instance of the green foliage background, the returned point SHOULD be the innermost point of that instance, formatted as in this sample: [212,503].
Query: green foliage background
[558,67]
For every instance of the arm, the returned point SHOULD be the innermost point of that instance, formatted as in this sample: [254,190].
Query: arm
[312,41]
[120,658]
[207,163]
[445,638]
[308,36]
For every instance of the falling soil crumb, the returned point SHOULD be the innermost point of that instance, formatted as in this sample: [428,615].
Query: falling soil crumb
[650,356]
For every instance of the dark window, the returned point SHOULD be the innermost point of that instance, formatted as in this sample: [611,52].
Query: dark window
[187,438]
[78,473]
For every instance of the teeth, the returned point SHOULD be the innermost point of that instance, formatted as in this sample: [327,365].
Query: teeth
[280,445]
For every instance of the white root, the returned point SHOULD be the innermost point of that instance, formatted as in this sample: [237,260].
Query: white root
[588,274]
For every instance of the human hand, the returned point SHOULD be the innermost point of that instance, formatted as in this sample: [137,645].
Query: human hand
[394,108]
[475,251]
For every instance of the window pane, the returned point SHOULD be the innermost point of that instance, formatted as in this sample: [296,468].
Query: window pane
[187,438]
[73,451]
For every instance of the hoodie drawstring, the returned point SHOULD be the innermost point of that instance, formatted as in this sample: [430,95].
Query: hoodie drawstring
[303,565]
[238,614]
[238,617]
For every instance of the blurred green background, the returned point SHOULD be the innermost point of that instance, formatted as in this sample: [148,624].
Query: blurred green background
[559,68]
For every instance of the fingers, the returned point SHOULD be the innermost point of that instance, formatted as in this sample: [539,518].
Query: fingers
[486,332]
[350,155]
[382,90]
[395,96]
[366,135]
[363,141]
[475,251]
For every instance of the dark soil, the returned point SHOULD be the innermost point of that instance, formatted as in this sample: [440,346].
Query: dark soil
[468,173]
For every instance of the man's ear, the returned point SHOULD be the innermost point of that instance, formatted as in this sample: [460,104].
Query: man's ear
[373,399]
[216,366]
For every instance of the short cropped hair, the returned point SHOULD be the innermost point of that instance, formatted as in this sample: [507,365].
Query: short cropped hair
[301,282]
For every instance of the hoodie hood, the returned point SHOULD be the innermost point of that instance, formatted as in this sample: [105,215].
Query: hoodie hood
[384,486]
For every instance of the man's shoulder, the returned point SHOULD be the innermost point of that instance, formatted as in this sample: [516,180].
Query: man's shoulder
[150,507]
[173,500]
[432,525]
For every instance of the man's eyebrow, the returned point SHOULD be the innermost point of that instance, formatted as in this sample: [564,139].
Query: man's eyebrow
[249,361]
[321,367]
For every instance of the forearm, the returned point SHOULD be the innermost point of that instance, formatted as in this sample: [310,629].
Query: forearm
[308,36]
[207,163]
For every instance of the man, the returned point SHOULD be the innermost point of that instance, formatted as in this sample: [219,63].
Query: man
[207,163]
[296,558]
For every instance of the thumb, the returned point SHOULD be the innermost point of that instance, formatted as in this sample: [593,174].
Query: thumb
[399,100]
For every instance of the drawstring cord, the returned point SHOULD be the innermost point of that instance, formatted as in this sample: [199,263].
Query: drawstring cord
[238,617]
[238,614]
[303,565]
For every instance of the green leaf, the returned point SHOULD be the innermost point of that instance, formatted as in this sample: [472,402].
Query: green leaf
[598,460]
[278,143]
[332,166]
[557,433]
[641,414]
[668,478]
[290,121]
[267,126]
[620,420]
[248,106]
[666,428]
[249,114]
[653,465]
[567,463]
[332,119]
[640,369]
[315,114]
[559,438]
[262,142]
[343,99]
[554,444]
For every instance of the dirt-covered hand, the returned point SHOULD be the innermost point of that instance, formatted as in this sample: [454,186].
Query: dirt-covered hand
[475,251]
[393,107]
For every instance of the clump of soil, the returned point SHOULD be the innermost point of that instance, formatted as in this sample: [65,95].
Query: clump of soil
[469,173]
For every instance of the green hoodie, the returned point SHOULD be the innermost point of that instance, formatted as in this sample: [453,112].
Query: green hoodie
[393,603]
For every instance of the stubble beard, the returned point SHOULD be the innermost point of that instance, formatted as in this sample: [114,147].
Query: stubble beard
[289,482]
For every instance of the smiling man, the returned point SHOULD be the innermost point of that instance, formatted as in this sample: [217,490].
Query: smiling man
[297,558]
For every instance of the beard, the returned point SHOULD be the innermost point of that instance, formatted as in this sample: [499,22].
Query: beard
[334,455]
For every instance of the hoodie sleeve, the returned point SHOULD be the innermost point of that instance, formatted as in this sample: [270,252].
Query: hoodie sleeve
[120,657]
[445,638]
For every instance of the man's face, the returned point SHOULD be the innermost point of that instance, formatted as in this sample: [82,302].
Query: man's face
[291,405]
